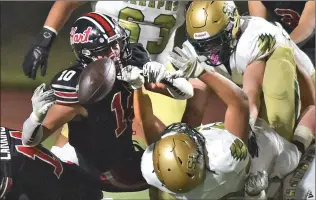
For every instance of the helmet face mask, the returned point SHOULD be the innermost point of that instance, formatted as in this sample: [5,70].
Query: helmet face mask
[213,28]
[216,49]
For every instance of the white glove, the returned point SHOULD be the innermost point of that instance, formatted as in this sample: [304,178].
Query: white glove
[41,101]
[155,72]
[132,75]
[186,61]
[256,183]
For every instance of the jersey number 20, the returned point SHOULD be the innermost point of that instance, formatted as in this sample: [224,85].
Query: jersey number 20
[165,22]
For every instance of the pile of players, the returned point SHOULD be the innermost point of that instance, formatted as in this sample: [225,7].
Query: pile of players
[251,65]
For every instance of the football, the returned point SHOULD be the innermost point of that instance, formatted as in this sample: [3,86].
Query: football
[96,81]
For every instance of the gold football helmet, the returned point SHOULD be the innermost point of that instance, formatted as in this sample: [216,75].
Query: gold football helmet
[179,163]
[212,27]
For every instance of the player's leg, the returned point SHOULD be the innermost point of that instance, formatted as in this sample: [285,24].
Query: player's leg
[304,132]
[281,91]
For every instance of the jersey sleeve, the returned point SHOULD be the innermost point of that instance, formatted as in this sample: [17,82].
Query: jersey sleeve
[65,85]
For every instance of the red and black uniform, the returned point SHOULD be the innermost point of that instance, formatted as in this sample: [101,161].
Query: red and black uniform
[35,173]
[103,139]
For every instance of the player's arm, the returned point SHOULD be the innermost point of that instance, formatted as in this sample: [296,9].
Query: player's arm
[53,108]
[252,86]
[145,117]
[38,53]
[306,26]
[60,13]
[178,88]
[237,113]
[256,8]
[156,75]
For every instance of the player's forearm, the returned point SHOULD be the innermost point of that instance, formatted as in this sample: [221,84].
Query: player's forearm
[229,92]
[145,117]
[306,25]
[254,105]
[307,88]
[256,8]
[60,12]
[301,34]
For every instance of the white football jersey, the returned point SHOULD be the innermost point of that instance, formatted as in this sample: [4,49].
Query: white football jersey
[151,23]
[276,155]
[227,162]
[259,38]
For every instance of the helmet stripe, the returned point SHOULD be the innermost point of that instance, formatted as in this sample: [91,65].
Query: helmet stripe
[94,22]
[105,24]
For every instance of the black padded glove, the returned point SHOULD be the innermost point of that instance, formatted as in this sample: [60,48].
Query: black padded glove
[38,54]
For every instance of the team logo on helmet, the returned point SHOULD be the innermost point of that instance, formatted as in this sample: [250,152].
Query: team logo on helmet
[76,38]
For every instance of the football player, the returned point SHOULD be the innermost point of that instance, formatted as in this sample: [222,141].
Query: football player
[255,54]
[153,24]
[101,133]
[210,162]
[34,173]
[296,17]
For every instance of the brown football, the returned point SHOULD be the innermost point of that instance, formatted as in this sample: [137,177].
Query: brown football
[96,81]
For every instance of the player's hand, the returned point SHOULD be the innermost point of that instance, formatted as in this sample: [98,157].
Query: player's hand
[256,183]
[155,72]
[186,61]
[38,54]
[42,100]
[132,75]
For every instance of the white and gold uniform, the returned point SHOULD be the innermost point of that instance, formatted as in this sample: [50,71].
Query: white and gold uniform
[275,155]
[262,40]
[151,23]
[259,38]
[227,163]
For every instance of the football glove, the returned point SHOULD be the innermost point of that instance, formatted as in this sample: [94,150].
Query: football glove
[41,101]
[256,183]
[38,53]
[186,61]
[133,76]
[155,72]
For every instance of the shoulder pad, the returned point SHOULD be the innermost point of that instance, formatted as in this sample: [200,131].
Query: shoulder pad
[65,84]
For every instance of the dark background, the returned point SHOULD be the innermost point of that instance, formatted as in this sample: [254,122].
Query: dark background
[21,21]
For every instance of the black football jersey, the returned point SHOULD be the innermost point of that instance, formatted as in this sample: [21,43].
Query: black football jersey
[105,136]
[39,174]
[14,154]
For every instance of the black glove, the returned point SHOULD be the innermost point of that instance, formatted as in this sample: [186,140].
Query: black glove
[252,144]
[38,54]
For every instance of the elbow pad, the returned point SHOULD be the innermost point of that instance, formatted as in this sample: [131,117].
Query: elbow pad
[32,131]
[180,88]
